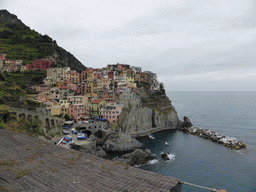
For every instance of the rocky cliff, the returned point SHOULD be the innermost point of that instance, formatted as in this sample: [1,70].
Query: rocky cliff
[154,111]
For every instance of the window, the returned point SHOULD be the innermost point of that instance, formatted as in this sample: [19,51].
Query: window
[117,112]
[107,116]
[113,116]
[113,112]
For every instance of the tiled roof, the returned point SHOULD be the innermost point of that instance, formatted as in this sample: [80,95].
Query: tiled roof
[97,100]
[30,164]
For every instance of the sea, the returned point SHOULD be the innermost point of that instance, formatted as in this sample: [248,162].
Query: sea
[200,161]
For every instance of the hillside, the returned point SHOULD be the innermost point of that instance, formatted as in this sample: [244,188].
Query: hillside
[18,41]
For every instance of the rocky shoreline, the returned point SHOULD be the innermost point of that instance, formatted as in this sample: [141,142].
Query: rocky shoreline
[231,142]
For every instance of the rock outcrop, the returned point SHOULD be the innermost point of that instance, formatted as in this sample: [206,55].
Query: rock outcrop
[231,142]
[120,142]
[186,122]
[97,151]
[138,157]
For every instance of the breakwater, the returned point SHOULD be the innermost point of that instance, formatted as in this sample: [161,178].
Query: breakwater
[231,142]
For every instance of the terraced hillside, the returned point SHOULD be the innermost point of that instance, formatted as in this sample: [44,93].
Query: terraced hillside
[18,41]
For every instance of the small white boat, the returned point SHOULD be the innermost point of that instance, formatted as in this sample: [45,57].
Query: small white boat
[166,143]
[151,136]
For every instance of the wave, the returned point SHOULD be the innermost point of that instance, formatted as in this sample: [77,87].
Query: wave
[154,161]
[171,156]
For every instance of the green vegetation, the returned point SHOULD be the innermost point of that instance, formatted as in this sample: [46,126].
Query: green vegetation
[13,86]
[25,78]
[19,42]
[8,121]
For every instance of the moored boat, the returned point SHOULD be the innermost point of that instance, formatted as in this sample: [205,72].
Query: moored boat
[81,136]
[151,136]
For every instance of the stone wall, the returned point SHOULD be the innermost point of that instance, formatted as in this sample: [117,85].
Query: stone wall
[49,124]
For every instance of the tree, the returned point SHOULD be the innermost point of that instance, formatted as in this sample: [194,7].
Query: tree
[162,90]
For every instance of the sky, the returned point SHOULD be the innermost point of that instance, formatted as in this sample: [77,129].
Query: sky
[192,45]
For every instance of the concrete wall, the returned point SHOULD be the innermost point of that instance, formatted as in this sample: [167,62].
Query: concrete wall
[48,122]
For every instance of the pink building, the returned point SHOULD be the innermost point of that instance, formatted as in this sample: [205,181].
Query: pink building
[77,111]
[112,112]
[40,64]
[2,56]
[42,97]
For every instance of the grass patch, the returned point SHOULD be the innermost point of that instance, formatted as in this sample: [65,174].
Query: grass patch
[22,173]
[10,163]
[122,163]
[106,169]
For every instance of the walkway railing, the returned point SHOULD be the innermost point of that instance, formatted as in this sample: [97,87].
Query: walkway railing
[210,189]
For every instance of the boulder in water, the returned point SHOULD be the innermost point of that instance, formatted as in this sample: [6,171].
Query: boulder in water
[165,156]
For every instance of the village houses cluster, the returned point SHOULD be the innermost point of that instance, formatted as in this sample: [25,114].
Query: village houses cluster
[94,93]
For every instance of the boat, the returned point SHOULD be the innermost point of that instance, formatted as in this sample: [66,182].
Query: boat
[166,143]
[151,136]
[81,136]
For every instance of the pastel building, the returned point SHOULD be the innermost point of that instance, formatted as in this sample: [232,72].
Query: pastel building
[97,106]
[77,111]
[112,112]
[103,84]
[75,77]
[65,92]
[40,64]
[42,88]
[78,99]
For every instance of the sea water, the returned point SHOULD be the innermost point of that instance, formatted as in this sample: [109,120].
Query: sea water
[200,161]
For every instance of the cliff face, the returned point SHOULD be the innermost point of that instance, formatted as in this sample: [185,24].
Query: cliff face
[138,119]
[154,111]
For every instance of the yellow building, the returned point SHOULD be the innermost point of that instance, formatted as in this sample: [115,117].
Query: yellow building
[131,85]
[103,84]
[90,75]
[97,107]
[75,77]
[55,110]
[64,103]
[129,78]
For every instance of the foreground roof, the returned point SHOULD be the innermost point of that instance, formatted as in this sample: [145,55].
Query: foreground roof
[29,164]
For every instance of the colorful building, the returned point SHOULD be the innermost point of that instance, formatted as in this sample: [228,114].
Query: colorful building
[40,64]
[112,112]
[75,77]
[77,111]
[97,106]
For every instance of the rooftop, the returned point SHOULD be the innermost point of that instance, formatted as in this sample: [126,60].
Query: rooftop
[29,164]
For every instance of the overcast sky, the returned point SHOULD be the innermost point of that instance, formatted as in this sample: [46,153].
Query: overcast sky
[192,45]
